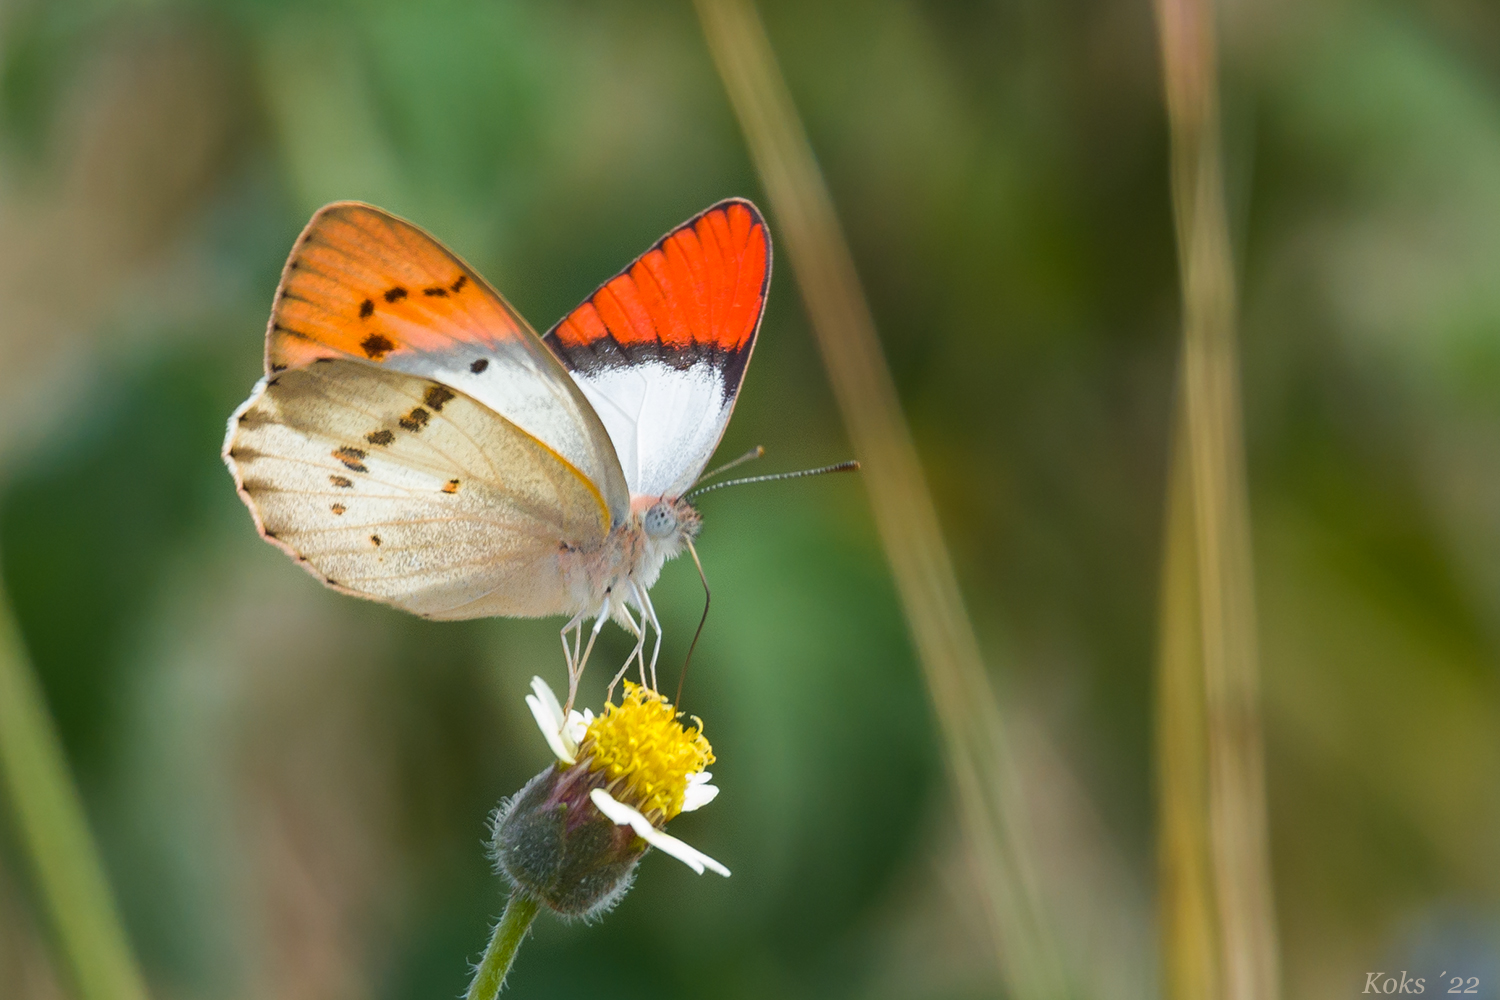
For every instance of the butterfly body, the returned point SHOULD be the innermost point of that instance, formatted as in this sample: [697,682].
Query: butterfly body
[601,576]
[414,441]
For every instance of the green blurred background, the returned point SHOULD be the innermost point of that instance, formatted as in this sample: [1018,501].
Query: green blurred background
[291,787]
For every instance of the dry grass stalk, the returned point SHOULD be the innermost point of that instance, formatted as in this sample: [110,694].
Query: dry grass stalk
[989,796]
[1189,923]
[1219,927]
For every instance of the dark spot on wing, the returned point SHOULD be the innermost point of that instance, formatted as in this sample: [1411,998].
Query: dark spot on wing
[380,437]
[294,333]
[338,508]
[366,308]
[342,482]
[375,539]
[377,347]
[321,361]
[268,534]
[330,581]
[458,285]
[436,291]
[415,420]
[436,396]
[278,368]
[275,381]
[351,457]
[479,365]
[395,294]
[451,487]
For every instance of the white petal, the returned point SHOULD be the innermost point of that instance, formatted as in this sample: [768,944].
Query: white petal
[577,725]
[548,715]
[698,796]
[699,792]
[552,736]
[548,699]
[624,815]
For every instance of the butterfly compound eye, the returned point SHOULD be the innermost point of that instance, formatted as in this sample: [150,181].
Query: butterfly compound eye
[659,521]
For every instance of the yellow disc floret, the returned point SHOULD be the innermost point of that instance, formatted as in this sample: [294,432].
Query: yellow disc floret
[645,752]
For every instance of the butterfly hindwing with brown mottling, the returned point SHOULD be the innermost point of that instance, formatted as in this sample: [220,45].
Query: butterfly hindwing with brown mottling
[398,488]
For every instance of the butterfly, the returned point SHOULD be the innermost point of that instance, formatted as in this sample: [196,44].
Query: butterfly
[413,440]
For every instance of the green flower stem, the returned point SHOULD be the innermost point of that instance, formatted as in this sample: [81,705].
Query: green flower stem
[509,932]
[54,834]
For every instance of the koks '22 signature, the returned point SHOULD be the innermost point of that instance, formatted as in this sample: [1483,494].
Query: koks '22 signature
[1381,982]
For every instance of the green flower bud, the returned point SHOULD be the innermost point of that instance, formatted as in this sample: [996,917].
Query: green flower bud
[554,844]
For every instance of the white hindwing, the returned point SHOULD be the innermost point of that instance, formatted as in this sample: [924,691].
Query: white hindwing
[664,422]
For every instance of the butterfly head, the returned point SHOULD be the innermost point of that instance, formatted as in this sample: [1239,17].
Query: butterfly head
[671,523]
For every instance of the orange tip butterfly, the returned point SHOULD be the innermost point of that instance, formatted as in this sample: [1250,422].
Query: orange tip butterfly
[415,442]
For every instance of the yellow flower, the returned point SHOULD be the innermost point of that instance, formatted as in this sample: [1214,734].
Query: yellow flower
[636,765]
[651,759]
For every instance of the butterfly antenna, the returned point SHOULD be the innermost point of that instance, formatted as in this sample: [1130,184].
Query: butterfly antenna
[708,597]
[849,466]
[748,456]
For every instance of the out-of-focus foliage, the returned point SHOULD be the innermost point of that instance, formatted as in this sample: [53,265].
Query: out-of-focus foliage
[291,786]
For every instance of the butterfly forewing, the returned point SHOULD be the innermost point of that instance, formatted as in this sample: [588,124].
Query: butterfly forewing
[363,284]
[660,349]
[398,488]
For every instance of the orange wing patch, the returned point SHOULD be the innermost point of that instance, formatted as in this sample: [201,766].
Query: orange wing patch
[702,285]
[362,283]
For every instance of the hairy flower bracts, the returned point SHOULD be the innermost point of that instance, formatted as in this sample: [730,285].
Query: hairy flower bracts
[572,837]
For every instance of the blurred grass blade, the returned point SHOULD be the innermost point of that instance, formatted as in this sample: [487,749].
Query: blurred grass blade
[1210,766]
[989,797]
[1189,924]
[54,834]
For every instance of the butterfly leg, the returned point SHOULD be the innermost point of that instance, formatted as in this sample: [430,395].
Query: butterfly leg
[577,672]
[639,652]
[570,656]
[648,613]
[640,636]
